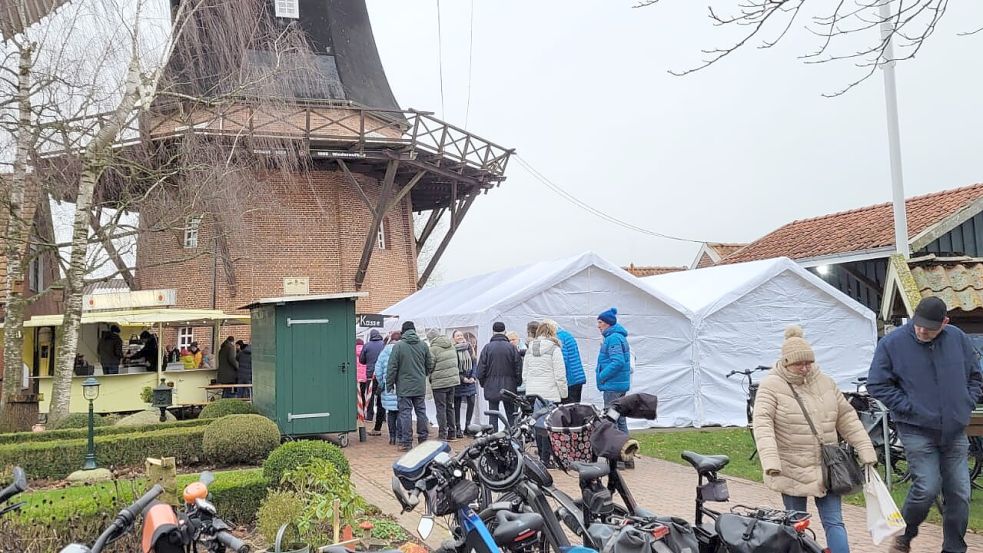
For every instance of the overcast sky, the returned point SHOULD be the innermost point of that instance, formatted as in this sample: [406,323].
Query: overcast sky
[581,90]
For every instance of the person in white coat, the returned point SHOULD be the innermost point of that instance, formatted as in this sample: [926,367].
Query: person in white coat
[545,375]
[543,370]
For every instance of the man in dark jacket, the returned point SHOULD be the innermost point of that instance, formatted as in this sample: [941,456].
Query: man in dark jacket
[244,374]
[149,351]
[927,373]
[409,365]
[368,357]
[110,351]
[228,366]
[499,368]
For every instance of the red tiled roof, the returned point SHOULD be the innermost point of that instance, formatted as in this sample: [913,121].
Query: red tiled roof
[856,230]
[723,249]
[640,271]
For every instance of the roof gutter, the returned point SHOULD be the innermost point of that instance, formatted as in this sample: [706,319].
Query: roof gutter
[848,257]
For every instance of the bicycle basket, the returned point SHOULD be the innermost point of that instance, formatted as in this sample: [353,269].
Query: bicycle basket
[570,427]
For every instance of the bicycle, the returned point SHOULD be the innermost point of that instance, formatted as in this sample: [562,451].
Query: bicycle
[751,392]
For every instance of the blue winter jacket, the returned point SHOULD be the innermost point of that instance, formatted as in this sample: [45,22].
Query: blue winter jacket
[389,402]
[614,361]
[932,385]
[571,358]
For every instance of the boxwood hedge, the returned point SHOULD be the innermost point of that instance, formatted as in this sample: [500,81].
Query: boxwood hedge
[82,433]
[59,458]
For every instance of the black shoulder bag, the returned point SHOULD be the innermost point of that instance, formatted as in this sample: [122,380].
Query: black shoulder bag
[841,473]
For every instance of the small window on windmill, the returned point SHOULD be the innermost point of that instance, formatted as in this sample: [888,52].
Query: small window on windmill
[381,236]
[191,225]
[287,8]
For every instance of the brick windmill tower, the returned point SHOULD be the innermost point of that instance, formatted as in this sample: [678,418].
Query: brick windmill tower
[344,221]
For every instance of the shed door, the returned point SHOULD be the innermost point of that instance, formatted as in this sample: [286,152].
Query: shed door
[321,369]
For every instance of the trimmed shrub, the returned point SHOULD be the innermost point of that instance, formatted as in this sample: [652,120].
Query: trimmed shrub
[224,407]
[237,494]
[79,420]
[240,439]
[291,455]
[279,508]
[59,458]
[82,433]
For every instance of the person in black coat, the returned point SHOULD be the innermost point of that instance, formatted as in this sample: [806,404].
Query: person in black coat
[499,368]
[245,373]
[149,351]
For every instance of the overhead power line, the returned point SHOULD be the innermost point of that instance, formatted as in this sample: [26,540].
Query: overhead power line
[592,210]
[440,60]
[467,109]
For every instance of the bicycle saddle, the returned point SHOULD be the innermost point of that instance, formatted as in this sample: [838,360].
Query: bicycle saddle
[591,471]
[511,526]
[706,463]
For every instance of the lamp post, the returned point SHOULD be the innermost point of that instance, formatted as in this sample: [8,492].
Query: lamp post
[90,391]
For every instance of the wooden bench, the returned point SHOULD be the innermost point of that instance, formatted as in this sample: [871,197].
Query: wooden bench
[975,427]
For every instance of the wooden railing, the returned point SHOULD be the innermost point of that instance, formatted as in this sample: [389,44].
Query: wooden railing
[321,124]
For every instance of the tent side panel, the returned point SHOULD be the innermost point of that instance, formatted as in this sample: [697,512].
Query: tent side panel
[659,335]
[749,332]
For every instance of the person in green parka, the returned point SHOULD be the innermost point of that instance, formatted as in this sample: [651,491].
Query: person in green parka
[443,381]
[409,364]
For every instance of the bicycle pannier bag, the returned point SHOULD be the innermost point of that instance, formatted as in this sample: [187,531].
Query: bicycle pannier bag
[741,534]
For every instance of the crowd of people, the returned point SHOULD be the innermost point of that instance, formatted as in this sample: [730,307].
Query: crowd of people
[396,371]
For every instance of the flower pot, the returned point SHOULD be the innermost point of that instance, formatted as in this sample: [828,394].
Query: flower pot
[346,533]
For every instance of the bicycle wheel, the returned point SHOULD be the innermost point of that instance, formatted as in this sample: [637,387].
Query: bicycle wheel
[975,460]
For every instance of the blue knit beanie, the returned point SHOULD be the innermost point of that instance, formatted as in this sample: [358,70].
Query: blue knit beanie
[610,316]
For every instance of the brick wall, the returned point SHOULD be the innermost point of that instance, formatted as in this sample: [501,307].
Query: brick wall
[312,225]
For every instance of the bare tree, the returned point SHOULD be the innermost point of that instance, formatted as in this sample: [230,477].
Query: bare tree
[113,146]
[855,31]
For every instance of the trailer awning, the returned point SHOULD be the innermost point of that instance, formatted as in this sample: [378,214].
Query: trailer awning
[147,318]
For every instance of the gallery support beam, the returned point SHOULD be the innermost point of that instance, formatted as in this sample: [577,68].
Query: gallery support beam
[378,212]
[457,215]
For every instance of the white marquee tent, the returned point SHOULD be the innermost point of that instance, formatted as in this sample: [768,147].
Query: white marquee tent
[572,291]
[686,329]
[739,314]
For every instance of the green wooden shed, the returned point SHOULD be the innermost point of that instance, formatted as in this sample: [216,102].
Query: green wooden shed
[304,363]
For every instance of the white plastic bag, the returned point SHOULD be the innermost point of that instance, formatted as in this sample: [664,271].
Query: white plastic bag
[883,517]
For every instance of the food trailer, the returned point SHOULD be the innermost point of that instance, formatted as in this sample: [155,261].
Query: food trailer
[121,392]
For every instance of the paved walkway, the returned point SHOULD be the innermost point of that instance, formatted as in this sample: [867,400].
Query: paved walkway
[660,486]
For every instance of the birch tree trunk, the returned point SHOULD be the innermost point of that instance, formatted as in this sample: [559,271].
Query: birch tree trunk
[15,416]
[93,163]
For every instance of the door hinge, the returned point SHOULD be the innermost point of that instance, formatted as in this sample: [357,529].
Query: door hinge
[292,417]
[291,322]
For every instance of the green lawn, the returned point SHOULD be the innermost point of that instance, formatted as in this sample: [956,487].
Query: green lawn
[736,443]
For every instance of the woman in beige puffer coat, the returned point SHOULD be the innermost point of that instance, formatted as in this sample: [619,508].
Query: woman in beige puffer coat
[790,453]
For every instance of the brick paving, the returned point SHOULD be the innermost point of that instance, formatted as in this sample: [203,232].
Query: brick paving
[660,486]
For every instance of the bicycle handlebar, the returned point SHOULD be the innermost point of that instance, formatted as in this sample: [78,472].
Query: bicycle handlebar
[228,540]
[749,372]
[126,517]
